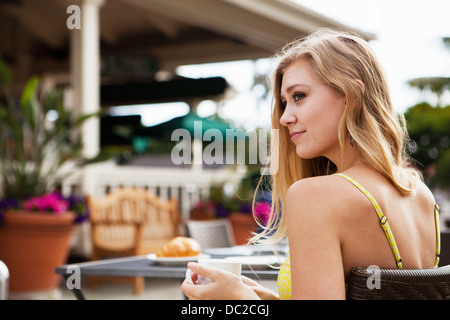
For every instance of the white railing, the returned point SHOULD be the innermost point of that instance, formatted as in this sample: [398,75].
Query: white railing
[185,184]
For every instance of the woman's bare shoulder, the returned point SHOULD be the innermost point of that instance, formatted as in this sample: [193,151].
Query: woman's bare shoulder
[424,196]
[323,193]
[321,187]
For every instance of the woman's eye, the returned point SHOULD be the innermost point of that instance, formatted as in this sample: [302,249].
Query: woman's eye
[298,96]
[295,97]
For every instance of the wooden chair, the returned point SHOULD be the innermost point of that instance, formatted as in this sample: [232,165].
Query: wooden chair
[160,221]
[128,222]
[445,248]
[399,284]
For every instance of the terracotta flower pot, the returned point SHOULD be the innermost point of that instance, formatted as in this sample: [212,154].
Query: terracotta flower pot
[32,244]
[243,226]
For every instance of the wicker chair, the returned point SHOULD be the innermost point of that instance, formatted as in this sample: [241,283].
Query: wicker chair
[399,284]
[128,222]
[445,249]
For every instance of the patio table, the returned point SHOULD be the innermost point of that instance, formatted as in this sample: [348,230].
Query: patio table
[142,266]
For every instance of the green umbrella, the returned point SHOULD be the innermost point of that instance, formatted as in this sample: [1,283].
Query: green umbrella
[188,122]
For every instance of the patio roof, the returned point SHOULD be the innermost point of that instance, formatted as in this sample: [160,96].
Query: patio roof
[174,32]
[35,39]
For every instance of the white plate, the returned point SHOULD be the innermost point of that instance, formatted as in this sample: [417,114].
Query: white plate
[175,261]
[258,262]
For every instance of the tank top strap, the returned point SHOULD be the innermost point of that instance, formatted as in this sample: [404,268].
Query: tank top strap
[438,235]
[383,219]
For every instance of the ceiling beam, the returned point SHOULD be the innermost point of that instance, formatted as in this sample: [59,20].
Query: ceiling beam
[168,27]
[295,15]
[47,23]
[266,24]
[223,18]
[197,52]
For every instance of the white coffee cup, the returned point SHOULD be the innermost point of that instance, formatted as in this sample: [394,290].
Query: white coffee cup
[227,265]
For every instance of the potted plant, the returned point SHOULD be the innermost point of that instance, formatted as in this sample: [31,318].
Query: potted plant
[40,146]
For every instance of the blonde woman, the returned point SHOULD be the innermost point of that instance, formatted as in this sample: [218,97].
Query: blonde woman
[345,191]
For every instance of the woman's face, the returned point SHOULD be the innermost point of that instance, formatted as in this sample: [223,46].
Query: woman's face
[312,111]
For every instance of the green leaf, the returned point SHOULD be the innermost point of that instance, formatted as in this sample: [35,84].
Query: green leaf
[29,91]
[28,101]
[5,73]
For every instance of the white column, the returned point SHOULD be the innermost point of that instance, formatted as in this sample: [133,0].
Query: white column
[90,74]
[75,71]
[85,72]
[82,102]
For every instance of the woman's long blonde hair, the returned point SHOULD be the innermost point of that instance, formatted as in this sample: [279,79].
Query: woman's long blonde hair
[342,61]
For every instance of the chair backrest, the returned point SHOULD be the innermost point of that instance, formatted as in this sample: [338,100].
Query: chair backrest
[161,218]
[211,233]
[132,219]
[445,249]
[373,283]
[114,221]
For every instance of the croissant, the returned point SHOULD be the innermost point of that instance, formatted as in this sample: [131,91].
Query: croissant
[180,247]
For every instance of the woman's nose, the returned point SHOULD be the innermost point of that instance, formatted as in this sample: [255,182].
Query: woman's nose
[287,118]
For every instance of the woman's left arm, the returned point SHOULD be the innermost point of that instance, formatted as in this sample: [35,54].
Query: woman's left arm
[225,285]
[314,244]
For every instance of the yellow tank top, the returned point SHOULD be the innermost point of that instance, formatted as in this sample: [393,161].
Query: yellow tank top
[284,276]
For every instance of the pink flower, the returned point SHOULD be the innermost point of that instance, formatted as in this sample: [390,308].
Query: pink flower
[52,202]
[262,211]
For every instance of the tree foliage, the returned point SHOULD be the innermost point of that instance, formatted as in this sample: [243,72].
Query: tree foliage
[429,130]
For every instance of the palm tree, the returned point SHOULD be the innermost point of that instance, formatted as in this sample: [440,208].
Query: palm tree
[437,85]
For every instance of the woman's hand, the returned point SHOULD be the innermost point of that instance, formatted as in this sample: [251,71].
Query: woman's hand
[262,292]
[225,285]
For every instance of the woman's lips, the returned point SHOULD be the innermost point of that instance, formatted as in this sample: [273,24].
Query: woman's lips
[295,135]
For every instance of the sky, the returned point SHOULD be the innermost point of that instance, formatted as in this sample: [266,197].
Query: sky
[408,38]
[408,44]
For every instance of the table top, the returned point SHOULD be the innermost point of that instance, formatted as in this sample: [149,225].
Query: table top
[146,267]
